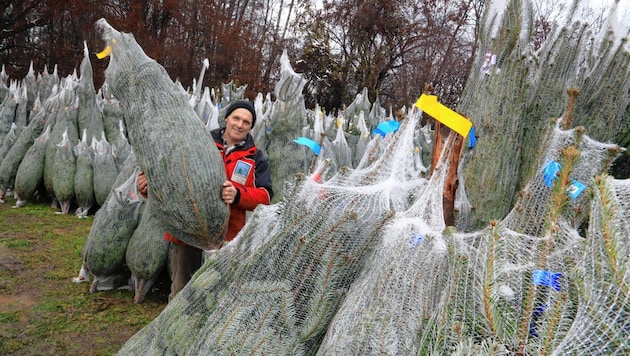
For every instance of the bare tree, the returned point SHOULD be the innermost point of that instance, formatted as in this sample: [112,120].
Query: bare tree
[393,48]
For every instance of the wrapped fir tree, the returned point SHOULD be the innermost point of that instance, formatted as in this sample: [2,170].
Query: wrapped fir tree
[184,170]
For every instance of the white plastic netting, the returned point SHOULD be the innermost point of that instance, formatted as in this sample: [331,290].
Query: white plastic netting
[602,322]
[429,291]
[361,263]
[275,288]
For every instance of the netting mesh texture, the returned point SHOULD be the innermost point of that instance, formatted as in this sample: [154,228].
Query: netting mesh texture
[361,263]
[498,290]
[275,288]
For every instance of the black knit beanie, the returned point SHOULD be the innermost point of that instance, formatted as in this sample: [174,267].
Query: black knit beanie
[244,104]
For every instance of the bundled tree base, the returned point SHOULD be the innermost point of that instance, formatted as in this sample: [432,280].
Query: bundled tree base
[147,253]
[114,223]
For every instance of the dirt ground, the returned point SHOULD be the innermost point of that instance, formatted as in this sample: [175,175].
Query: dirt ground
[42,312]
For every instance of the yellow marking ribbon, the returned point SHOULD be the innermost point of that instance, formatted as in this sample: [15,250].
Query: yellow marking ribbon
[104,53]
[450,118]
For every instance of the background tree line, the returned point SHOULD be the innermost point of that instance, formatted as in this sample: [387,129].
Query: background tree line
[392,48]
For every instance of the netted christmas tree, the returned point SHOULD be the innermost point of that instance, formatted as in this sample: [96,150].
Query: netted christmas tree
[84,177]
[146,254]
[89,116]
[7,110]
[602,321]
[103,167]
[514,89]
[66,110]
[63,173]
[399,285]
[105,249]
[170,143]
[30,173]
[286,119]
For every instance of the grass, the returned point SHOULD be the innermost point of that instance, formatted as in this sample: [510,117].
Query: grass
[42,312]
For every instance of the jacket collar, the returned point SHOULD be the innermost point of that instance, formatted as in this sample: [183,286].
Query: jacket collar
[248,142]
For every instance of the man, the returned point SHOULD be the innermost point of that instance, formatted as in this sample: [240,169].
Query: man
[248,184]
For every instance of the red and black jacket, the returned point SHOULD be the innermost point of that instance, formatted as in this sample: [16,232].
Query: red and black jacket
[247,168]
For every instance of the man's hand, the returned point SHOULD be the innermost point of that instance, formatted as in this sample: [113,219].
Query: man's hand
[141,184]
[228,192]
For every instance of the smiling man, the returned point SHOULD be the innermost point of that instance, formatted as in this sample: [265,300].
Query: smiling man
[248,184]
[248,177]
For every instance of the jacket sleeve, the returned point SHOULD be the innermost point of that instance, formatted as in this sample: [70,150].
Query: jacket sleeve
[249,197]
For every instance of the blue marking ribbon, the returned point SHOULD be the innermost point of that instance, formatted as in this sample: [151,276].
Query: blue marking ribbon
[538,312]
[575,189]
[314,146]
[546,278]
[551,172]
[386,127]
[472,141]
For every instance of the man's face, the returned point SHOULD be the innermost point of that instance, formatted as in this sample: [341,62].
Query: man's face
[237,125]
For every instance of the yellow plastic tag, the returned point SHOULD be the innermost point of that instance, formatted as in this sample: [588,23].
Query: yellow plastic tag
[450,118]
[104,53]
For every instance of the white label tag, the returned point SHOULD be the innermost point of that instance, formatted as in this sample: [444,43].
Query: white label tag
[241,171]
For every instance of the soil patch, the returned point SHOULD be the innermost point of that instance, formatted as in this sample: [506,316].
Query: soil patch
[42,312]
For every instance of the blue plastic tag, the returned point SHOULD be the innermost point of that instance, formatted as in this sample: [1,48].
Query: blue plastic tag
[472,141]
[386,127]
[314,146]
[575,189]
[416,240]
[551,172]
[546,278]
